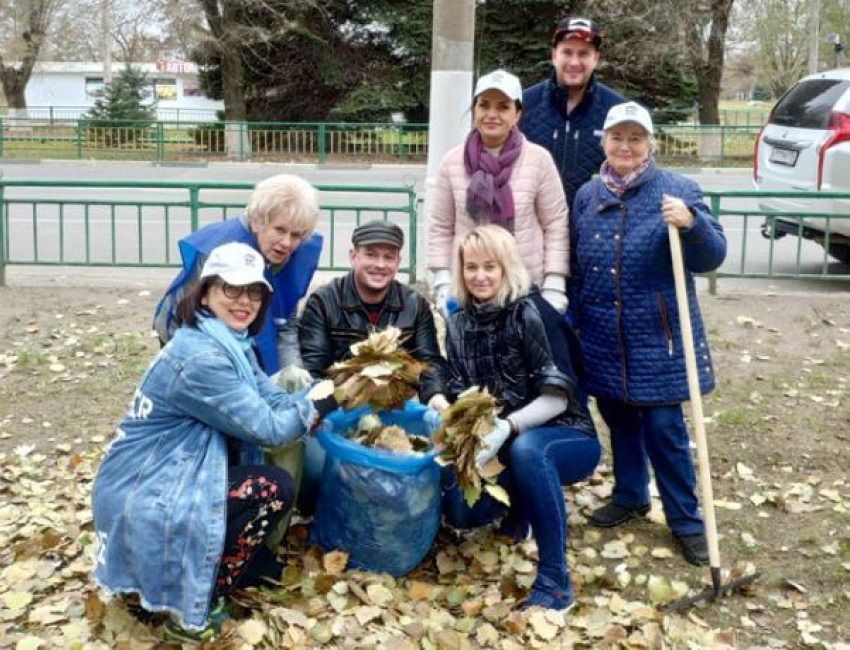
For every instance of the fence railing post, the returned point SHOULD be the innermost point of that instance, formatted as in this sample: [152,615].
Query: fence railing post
[80,129]
[160,142]
[322,151]
[2,232]
[412,226]
[194,208]
[715,213]
[400,140]
[1,137]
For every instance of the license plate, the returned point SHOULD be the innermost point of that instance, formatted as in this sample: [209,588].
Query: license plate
[784,156]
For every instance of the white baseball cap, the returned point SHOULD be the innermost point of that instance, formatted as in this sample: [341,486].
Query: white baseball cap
[628,112]
[503,81]
[237,264]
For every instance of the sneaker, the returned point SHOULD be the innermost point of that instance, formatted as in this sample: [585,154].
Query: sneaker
[611,515]
[173,631]
[546,593]
[694,548]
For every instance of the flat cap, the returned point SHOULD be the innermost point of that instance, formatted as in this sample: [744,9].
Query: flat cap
[378,232]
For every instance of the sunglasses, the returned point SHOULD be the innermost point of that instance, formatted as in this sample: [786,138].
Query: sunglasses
[256,292]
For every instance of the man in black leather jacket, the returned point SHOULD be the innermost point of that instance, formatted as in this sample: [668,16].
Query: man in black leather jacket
[369,298]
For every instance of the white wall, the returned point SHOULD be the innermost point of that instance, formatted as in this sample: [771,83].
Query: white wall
[63,86]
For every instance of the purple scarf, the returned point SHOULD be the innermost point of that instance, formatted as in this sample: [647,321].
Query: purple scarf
[489,196]
[619,184]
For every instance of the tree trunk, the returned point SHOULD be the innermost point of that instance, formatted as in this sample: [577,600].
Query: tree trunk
[224,28]
[14,86]
[707,55]
[233,83]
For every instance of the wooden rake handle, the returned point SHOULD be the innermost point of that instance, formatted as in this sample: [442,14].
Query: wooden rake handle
[706,491]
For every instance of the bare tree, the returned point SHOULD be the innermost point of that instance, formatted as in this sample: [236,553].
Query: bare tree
[704,25]
[140,31]
[23,38]
[245,30]
[225,28]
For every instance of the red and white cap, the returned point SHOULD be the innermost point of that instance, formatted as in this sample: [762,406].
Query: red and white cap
[583,29]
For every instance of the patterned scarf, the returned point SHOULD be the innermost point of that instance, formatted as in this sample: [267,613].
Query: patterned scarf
[619,184]
[489,196]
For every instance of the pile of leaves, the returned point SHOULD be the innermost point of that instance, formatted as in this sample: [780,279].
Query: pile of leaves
[371,432]
[464,423]
[379,373]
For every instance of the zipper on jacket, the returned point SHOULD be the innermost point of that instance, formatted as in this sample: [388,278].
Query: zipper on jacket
[618,291]
[665,323]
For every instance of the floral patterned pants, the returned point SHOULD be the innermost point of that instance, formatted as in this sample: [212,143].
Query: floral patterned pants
[258,497]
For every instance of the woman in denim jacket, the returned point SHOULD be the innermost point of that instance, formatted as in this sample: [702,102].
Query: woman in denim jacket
[507,338]
[181,502]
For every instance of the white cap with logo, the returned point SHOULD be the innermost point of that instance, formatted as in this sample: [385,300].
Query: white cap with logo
[237,264]
[628,112]
[503,81]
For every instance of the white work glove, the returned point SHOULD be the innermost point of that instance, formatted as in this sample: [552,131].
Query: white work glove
[442,277]
[554,291]
[438,402]
[292,378]
[492,443]
[432,420]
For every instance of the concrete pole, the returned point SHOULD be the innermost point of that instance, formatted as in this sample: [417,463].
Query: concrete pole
[814,35]
[452,55]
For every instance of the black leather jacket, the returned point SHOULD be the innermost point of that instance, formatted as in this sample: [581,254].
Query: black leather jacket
[517,352]
[334,318]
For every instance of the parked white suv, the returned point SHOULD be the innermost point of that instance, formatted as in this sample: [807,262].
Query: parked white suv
[805,146]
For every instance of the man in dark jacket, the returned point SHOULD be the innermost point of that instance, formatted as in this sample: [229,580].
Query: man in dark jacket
[345,310]
[565,112]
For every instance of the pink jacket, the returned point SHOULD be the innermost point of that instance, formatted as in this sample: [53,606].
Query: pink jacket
[541,227]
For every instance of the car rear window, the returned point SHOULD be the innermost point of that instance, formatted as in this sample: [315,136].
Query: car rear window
[808,104]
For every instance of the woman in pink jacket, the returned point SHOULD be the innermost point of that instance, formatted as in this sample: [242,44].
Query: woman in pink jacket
[499,177]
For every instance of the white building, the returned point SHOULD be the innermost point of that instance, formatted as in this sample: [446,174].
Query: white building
[67,90]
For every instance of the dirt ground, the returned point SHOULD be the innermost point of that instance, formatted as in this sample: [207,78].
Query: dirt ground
[778,427]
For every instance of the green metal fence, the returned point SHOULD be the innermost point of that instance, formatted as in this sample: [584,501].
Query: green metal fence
[784,235]
[138,224]
[317,142]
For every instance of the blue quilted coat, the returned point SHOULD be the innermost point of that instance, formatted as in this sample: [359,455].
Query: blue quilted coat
[574,139]
[622,293]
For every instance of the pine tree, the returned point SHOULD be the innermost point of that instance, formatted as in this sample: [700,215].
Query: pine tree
[121,116]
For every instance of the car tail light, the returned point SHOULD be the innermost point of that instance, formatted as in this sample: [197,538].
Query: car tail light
[756,151]
[839,131]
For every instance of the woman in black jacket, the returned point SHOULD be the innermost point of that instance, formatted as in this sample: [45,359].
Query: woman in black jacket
[507,338]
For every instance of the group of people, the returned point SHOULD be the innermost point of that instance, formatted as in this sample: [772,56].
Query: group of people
[555,286]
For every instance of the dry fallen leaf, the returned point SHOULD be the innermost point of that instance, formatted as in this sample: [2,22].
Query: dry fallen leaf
[335,562]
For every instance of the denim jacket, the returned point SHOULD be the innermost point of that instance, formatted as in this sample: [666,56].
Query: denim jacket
[160,495]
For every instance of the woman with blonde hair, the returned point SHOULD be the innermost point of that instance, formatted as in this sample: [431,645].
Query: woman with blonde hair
[279,223]
[505,337]
[499,177]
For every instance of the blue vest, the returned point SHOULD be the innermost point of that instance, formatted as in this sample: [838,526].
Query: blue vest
[290,283]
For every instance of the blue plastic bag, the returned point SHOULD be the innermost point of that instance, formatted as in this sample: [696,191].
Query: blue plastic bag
[380,507]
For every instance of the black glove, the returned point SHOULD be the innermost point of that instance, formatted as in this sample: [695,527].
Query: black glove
[325,405]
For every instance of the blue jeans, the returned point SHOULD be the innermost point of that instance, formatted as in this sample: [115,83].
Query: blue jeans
[538,462]
[657,434]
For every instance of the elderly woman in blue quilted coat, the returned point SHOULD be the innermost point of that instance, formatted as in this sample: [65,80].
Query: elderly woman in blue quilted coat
[623,304]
